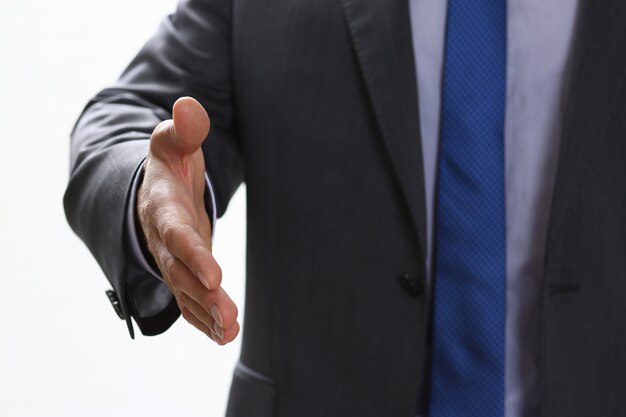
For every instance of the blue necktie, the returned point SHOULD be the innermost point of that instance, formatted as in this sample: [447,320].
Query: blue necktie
[469,301]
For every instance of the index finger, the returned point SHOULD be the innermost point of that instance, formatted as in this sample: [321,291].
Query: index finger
[186,244]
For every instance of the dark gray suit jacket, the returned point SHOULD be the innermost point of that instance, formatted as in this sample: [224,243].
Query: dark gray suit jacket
[313,104]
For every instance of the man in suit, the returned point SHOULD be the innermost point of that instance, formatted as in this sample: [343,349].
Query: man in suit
[374,289]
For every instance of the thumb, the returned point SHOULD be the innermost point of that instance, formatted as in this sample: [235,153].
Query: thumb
[185,133]
[191,124]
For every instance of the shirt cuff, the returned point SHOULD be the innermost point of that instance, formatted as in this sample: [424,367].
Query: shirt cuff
[138,250]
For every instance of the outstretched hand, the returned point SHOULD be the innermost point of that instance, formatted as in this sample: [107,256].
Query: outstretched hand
[173,218]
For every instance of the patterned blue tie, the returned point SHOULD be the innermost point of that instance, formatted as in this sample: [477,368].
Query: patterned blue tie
[469,302]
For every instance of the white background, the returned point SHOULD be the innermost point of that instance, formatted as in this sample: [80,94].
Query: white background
[63,351]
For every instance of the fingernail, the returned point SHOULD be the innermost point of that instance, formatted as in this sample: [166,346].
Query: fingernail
[204,281]
[215,313]
[218,330]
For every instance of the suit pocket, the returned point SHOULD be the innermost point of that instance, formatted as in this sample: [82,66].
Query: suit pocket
[252,394]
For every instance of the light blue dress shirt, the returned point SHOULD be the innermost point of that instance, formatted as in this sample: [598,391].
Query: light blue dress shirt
[539,39]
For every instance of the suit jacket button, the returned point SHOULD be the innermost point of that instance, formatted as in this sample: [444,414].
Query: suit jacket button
[412,284]
[115,302]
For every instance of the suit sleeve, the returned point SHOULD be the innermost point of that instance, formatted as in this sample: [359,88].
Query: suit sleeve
[188,56]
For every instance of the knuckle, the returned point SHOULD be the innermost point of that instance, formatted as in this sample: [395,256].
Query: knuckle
[142,200]
[167,232]
[145,210]
[146,207]
[169,267]
[185,234]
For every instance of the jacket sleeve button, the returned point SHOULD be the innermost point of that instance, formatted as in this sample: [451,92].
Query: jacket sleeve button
[115,302]
[412,284]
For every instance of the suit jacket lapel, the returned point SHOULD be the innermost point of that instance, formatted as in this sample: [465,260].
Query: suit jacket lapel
[381,36]
[595,79]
